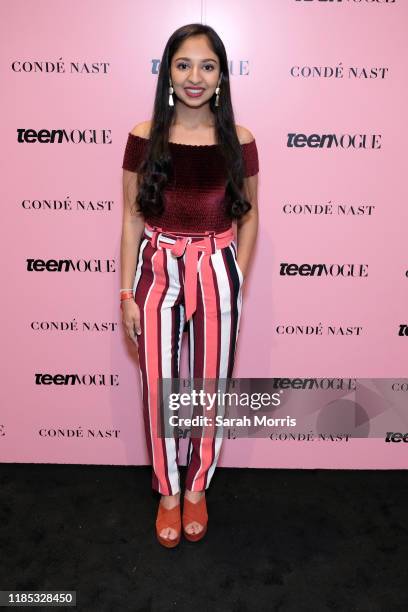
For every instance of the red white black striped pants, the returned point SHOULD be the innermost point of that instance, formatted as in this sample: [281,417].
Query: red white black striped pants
[161,292]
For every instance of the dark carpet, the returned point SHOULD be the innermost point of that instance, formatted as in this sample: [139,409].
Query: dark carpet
[277,540]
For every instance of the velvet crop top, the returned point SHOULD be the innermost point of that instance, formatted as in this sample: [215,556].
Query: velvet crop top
[194,200]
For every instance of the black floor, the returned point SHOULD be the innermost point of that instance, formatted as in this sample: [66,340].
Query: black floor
[277,540]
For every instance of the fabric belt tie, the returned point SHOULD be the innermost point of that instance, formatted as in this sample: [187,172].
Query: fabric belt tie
[192,244]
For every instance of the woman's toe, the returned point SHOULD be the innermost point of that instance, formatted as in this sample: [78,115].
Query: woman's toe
[193,528]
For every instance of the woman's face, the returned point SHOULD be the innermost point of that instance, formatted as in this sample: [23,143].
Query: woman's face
[195,65]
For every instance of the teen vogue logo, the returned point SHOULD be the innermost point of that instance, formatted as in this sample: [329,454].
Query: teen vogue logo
[87,136]
[396,436]
[403,330]
[333,141]
[335,270]
[70,265]
[75,380]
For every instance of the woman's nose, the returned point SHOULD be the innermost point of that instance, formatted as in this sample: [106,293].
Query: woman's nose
[195,75]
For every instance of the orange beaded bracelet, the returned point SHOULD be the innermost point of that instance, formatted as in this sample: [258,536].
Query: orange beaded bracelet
[126,295]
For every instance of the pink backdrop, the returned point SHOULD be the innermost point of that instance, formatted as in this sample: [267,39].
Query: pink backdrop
[291,73]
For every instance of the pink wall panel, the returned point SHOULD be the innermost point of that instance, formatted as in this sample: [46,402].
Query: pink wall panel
[117,47]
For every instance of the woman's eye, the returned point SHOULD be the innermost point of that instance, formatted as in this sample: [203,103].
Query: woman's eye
[180,66]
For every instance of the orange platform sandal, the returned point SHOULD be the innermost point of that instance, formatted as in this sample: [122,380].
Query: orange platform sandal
[198,513]
[168,518]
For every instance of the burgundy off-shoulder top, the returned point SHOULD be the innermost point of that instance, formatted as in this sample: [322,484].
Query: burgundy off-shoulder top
[194,200]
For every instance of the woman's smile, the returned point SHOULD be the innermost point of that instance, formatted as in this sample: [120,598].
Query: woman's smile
[194,92]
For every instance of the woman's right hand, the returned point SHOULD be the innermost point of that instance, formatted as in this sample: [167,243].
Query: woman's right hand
[131,319]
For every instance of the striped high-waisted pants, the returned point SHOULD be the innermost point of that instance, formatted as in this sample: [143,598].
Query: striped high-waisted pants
[185,282]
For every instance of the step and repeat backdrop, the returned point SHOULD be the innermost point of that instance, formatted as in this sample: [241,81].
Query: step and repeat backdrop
[322,85]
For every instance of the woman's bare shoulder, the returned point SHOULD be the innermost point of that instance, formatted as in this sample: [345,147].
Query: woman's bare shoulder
[142,129]
[244,135]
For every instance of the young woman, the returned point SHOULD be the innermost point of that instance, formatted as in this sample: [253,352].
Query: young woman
[187,175]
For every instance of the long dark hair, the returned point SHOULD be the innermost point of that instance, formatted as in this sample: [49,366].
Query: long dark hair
[156,169]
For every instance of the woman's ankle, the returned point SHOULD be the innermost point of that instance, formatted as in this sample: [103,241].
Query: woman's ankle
[169,501]
[194,495]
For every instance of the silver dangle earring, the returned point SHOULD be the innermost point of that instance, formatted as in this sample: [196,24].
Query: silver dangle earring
[217,97]
[171,91]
